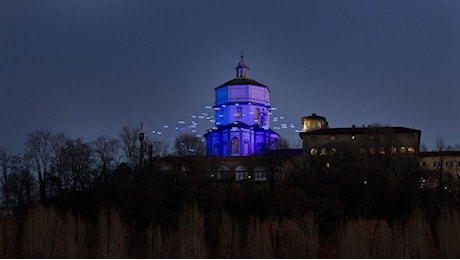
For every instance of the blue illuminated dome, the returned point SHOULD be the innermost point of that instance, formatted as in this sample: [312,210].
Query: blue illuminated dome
[242,113]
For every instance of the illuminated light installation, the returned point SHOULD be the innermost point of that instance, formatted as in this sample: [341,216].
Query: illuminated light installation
[242,118]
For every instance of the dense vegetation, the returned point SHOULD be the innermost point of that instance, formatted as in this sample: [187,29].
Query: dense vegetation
[64,198]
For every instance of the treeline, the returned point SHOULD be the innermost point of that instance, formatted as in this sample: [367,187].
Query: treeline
[53,163]
[69,199]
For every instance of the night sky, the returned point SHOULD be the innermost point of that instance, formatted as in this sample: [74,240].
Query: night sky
[90,67]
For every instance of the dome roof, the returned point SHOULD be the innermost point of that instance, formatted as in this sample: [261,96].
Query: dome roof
[314,116]
[242,81]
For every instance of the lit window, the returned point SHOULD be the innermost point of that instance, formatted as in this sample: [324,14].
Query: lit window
[256,113]
[402,149]
[314,151]
[353,137]
[333,151]
[260,174]
[222,172]
[239,112]
[323,151]
[382,150]
[394,149]
[241,173]
[411,149]
[333,137]
[372,150]
[362,150]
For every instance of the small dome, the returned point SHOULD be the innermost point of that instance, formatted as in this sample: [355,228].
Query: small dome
[314,122]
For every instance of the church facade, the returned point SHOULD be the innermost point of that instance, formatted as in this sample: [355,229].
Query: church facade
[242,118]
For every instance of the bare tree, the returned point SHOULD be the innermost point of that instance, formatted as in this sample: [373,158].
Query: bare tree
[75,165]
[159,148]
[440,148]
[57,172]
[38,149]
[188,144]
[17,182]
[21,183]
[129,145]
[5,167]
[106,150]
[283,143]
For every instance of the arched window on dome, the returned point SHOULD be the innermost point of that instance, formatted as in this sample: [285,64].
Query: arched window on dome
[235,145]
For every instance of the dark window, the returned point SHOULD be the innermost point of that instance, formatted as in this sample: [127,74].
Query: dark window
[235,145]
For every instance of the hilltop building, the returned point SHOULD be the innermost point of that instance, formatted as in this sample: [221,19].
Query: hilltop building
[246,147]
[321,143]
[242,113]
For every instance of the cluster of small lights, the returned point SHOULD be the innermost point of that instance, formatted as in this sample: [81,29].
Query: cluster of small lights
[200,123]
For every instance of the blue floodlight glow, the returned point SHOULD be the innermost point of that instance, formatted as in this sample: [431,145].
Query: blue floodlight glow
[246,131]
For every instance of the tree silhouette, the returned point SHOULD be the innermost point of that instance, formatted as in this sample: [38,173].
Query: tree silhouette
[188,144]
[38,149]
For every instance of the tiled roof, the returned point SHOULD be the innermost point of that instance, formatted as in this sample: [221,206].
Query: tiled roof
[242,81]
[360,130]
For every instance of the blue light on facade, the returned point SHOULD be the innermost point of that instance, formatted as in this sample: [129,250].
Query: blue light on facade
[242,113]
